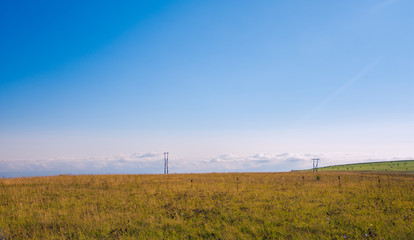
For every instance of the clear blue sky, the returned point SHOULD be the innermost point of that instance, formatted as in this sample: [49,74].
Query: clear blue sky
[204,80]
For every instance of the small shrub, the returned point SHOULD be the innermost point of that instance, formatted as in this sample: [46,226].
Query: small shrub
[318,177]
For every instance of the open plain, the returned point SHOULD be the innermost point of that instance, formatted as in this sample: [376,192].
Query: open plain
[294,205]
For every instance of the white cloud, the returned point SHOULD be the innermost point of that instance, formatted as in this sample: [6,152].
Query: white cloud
[139,163]
[145,155]
[134,163]
[256,162]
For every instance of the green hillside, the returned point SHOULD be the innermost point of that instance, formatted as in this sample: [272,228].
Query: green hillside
[387,166]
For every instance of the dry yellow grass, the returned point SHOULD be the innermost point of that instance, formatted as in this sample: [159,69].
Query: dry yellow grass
[209,206]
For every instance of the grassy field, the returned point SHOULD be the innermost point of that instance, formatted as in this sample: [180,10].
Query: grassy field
[295,205]
[388,166]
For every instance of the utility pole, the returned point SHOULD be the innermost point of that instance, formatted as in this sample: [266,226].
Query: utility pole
[315,163]
[165,162]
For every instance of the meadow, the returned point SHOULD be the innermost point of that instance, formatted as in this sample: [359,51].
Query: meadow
[387,166]
[294,205]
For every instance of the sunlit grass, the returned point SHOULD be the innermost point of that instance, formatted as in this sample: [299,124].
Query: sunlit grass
[209,206]
[387,166]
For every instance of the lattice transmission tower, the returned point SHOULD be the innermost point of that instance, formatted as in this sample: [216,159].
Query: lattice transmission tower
[315,162]
[166,163]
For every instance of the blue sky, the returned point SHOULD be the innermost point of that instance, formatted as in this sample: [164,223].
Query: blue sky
[221,85]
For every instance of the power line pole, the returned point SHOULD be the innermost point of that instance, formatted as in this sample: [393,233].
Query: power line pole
[315,163]
[165,162]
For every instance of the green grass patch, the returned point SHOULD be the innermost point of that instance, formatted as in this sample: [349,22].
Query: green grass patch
[386,166]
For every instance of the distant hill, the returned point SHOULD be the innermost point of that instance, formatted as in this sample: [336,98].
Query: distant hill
[386,166]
